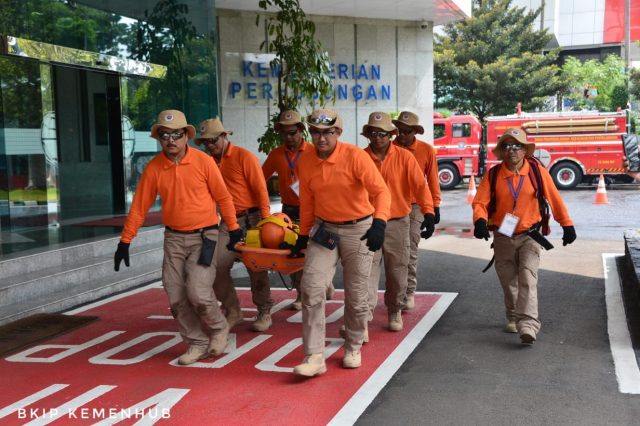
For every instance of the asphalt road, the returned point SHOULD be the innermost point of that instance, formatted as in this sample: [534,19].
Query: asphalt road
[468,372]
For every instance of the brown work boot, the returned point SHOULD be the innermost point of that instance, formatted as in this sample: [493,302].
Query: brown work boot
[331,290]
[234,317]
[527,337]
[262,322]
[395,321]
[193,354]
[312,365]
[343,333]
[410,303]
[510,327]
[352,359]
[218,342]
[297,305]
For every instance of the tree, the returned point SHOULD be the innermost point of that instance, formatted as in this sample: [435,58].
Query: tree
[488,63]
[634,79]
[301,64]
[596,84]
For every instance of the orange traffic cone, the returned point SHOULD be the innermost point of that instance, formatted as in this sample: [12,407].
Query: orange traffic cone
[472,189]
[601,193]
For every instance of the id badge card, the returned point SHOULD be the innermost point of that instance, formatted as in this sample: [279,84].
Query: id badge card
[508,225]
[295,187]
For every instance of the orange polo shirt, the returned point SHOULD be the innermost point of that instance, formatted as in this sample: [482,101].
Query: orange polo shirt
[405,181]
[340,188]
[426,156]
[243,176]
[280,161]
[527,204]
[189,191]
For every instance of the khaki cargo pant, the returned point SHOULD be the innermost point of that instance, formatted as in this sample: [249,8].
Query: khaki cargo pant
[415,218]
[517,263]
[188,286]
[223,285]
[319,268]
[395,254]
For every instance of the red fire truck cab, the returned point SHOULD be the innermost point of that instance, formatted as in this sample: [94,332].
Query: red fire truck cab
[574,146]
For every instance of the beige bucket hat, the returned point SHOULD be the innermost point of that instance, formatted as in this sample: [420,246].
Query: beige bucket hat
[408,118]
[324,119]
[518,135]
[288,118]
[211,129]
[172,119]
[379,120]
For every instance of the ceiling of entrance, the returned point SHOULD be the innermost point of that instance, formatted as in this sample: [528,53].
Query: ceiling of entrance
[437,11]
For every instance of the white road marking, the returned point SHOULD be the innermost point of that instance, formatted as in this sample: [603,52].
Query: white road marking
[352,410]
[624,357]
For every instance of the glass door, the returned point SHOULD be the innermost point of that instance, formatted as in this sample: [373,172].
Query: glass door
[89,137]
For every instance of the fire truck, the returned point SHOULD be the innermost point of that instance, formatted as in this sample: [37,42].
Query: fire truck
[574,146]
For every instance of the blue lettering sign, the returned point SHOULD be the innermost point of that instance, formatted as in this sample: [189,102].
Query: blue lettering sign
[342,71]
[342,91]
[266,91]
[251,90]
[262,71]
[332,71]
[246,69]
[375,72]
[371,93]
[385,91]
[236,87]
[356,92]
[363,73]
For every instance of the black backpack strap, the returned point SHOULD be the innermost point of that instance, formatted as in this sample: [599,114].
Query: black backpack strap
[493,177]
[538,186]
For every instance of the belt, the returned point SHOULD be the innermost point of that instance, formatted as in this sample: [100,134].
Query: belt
[396,218]
[347,222]
[247,211]
[289,206]
[191,231]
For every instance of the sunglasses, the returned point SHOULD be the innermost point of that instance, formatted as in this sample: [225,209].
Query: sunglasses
[323,119]
[165,136]
[326,133]
[291,132]
[374,134]
[405,131]
[209,141]
[512,147]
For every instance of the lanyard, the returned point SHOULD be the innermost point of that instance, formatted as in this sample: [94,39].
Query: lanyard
[292,164]
[515,193]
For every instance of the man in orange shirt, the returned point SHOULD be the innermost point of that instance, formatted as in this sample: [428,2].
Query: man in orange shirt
[511,213]
[408,126]
[284,161]
[344,206]
[243,177]
[405,179]
[189,185]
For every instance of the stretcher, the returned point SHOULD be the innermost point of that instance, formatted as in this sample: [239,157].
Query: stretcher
[260,259]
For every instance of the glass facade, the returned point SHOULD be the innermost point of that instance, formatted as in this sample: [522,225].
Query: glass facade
[81,83]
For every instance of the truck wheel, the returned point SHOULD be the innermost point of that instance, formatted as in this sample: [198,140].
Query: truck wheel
[566,175]
[448,176]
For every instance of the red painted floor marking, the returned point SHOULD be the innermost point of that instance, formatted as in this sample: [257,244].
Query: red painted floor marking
[129,358]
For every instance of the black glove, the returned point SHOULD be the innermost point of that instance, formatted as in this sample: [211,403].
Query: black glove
[568,235]
[122,253]
[301,244]
[480,230]
[437,218]
[428,225]
[234,238]
[375,235]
